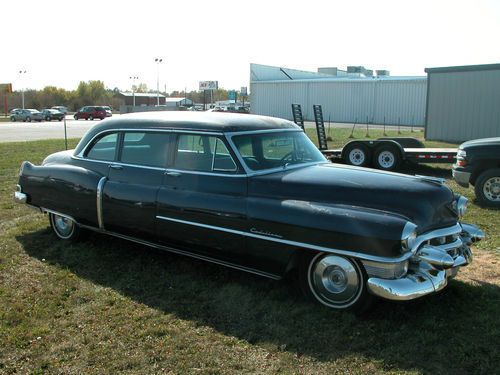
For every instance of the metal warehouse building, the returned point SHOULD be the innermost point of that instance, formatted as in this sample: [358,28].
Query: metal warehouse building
[463,102]
[345,96]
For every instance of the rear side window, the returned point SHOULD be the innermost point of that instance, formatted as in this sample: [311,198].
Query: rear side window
[104,148]
[203,153]
[145,148]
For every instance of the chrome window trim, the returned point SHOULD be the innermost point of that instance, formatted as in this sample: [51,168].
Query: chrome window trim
[293,243]
[250,172]
[149,130]
[182,171]
[120,163]
[262,131]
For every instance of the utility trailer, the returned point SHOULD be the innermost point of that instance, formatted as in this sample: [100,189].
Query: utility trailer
[382,153]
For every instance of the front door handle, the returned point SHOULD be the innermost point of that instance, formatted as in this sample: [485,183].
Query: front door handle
[172,174]
[116,166]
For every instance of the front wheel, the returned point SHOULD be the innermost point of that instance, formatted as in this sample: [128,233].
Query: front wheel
[335,281]
[487,188]
[91,118]
[75,117]
[47,118]
[28,119]
[64,228]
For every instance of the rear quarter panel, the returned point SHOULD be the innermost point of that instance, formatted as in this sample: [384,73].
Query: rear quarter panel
[68,189]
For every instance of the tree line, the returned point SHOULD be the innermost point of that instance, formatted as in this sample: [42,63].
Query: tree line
[96,93]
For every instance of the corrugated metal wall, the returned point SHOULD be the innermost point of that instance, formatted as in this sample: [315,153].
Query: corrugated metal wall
[392,101]
[463,105]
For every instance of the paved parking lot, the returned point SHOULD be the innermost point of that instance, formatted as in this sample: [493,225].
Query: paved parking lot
[29,131]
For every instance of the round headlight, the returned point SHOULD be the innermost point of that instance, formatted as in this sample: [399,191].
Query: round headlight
[408,237]
[461,206]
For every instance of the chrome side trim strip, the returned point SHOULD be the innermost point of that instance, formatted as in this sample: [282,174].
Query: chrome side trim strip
[46,210]
[100,186]
[293,243]
[186,253]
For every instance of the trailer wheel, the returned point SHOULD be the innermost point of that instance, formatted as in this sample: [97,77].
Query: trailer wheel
[357,154]
[387,158]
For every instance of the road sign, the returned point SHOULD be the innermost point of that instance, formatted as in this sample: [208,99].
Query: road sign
[231,95]
[6,88]
[243,91]
[209,85]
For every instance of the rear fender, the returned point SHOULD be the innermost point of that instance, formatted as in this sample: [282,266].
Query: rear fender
[68,189]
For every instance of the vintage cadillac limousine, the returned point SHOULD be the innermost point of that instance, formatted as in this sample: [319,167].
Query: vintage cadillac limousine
[254,193]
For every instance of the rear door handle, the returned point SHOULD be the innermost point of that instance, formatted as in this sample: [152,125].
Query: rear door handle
[172,174]
[116,166]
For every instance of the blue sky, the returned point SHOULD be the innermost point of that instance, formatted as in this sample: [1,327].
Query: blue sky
[62,42]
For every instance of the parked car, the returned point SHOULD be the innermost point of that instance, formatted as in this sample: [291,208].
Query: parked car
[478,163]
[61,108]
[255,194]
[90,112]
[14,110]
[26,115]
[108,110]
[52,114]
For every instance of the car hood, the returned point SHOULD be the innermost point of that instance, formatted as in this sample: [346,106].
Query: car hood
[481,142]
[424,201]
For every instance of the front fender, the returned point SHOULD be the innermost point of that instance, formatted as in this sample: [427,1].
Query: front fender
[369,232]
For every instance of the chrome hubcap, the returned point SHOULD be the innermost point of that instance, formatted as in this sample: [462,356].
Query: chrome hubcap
[491,189]
[64,226]
[356,156]
[335,281]
[386,159]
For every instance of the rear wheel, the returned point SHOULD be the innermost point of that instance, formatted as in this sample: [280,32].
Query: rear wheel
[487,188]
[64,228]
[47,118]
[357,154]
[13,119]
[28,119]
[387,158]
[75,117]
[335,281]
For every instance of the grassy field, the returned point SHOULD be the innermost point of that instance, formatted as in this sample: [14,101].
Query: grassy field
[107,306]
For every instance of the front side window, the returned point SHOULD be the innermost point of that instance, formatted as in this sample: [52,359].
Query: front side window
[203,153]
[145,148]
[262,151]
[104,148]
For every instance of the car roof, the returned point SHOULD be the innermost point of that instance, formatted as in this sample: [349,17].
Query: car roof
[188,120]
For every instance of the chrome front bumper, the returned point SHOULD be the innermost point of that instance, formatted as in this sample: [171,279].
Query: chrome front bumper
[19,196]
[462,178]
[430,268]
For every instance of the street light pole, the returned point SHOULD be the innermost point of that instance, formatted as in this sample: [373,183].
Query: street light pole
[22,88]
[158,60]
[133,78]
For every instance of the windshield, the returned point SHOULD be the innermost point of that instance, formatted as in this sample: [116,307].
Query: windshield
[273,150]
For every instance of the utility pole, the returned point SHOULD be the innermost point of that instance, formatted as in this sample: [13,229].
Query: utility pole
[133,78]
[158,60]
[22,89]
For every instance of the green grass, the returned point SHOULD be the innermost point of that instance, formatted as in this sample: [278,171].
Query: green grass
[110,306]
